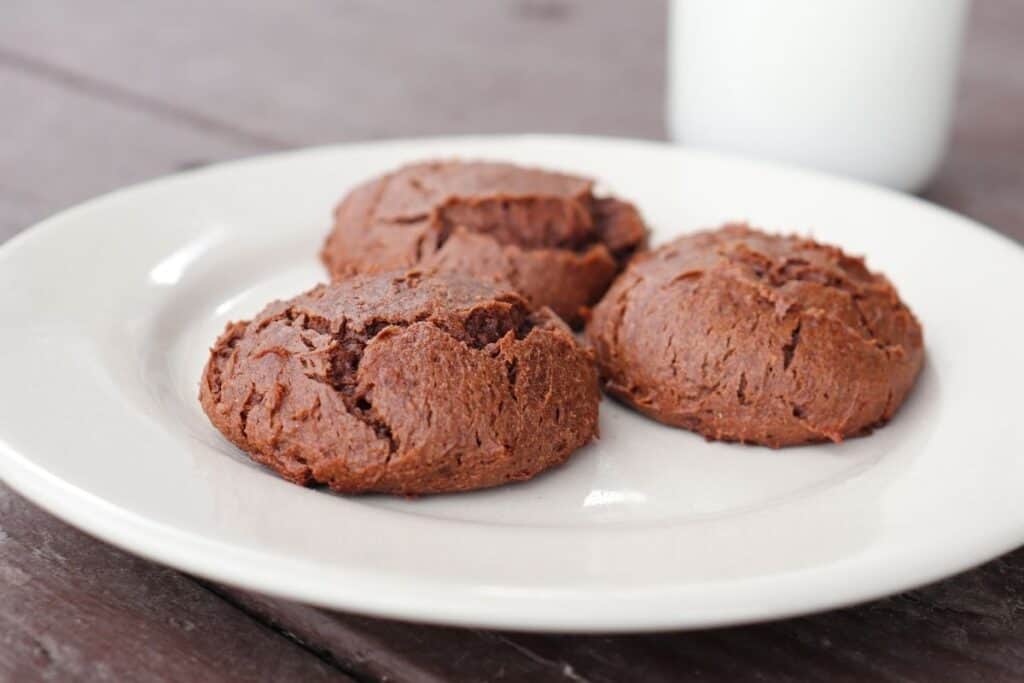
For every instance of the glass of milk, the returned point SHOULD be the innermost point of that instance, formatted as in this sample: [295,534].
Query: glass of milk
[863,88]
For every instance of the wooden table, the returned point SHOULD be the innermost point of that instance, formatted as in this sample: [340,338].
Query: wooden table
[97,95]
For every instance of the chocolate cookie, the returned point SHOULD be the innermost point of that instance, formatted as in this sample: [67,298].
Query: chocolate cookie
[403,383]
[745,336]
[543,233]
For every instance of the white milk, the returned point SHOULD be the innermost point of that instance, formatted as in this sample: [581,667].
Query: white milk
[858,87]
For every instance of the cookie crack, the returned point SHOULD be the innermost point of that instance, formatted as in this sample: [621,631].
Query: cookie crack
[784,306]
[778,271]
[771,273]
[347,346]
[417,184]
[864,319]
[693,274]
[362,409]
[799,414]
[601,219]
[251,400]
[621,303]
[741,390]
[480,329]
[789,348]
[411,219]
[222,351]
[511,373]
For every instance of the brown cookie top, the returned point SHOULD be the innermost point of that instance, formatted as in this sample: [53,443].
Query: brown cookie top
[405,383]
[544,233]
[743,335]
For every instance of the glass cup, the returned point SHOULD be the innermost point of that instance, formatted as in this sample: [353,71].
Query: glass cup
[863,88]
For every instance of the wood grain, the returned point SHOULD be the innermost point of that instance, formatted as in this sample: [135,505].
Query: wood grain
[74,608]
[319,71]
[62,146]
[98,95]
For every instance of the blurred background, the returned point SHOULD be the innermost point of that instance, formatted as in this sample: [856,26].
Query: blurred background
[100,94]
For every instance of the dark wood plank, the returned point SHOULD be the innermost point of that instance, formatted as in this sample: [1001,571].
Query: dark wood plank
[74,608]
[376,649]
[318,71]
[62,146]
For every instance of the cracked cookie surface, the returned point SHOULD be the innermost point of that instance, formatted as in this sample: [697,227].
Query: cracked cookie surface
[545,234]
[405,383]
[745,336]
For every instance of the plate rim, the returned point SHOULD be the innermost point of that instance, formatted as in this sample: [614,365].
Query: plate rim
[156,541]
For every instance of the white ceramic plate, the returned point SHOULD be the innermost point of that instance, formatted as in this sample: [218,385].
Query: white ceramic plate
[108,310]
